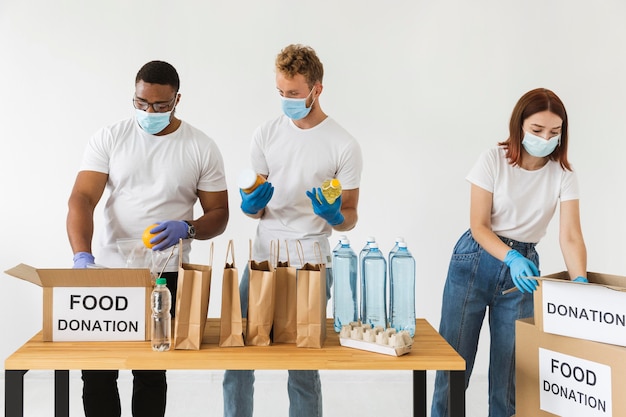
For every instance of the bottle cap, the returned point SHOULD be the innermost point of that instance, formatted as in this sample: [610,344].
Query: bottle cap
[161,281]
[402,244]
[335,183]
[371,239]
[399,239]
[247,178]
[373,245]
[345,241]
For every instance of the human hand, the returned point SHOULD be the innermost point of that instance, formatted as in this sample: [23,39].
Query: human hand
[520,268]
[168,233]
[257,200]
[82,260]
[581,279]
[329,212]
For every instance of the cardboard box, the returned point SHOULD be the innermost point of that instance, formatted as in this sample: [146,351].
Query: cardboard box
[563,376]
[92,304]
[594,311]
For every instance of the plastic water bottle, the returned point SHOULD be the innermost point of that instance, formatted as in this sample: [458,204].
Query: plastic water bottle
[391,253]
[364,251]
[161,301]
[402,290]
[344,277]
[374,291]
[341,237]
[394,249]
[337,246]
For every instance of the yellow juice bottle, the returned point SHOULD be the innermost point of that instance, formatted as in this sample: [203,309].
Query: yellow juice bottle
[331,189]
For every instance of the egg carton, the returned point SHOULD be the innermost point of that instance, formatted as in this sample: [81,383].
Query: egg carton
[377,339]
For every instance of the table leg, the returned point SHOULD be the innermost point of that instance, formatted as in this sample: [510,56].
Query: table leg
[456,400]
[419,393]
[62,393]
[14,393]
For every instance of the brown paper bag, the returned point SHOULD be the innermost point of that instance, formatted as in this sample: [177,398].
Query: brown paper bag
[311,305]
[260,302]
[284,329]
[231,327]
[192,302]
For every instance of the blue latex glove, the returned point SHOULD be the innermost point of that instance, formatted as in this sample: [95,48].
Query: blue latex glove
[581,279]
[520,268]
[168,233]
[257,200]
[329,212]
[83,259]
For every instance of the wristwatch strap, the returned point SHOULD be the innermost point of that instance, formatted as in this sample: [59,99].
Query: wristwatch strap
[191,230]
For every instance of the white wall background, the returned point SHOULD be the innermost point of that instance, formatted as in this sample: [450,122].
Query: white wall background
[424,86]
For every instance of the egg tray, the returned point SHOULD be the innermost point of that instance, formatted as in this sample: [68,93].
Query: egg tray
[387,342]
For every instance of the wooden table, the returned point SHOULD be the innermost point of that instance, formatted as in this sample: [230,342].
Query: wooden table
[429,352]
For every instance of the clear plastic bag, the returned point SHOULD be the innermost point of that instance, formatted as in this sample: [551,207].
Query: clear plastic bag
[137,255]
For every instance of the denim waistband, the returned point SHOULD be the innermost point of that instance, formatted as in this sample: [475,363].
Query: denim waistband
[516,244]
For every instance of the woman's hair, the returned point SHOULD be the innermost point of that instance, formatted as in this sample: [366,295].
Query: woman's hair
[299,59]
[535,101]
[159,72]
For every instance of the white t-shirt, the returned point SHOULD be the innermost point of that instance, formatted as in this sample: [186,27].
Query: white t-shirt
[295,161]
[524,201]
[150,179]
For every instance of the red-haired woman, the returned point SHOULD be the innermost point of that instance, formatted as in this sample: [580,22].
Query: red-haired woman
[515,190]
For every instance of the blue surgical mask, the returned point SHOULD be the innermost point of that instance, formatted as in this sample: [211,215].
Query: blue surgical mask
[538,146]
[295,108]
[153,123]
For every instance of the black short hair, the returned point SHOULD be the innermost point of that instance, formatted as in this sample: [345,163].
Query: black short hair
[159,72]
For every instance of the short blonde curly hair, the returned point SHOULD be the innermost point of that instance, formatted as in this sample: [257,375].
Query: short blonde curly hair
[300,59]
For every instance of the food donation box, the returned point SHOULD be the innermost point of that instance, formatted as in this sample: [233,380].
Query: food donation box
[92,304]
[564,376]
[591,311]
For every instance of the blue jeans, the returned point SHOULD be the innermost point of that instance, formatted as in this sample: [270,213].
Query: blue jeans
[476,281]
[304,387]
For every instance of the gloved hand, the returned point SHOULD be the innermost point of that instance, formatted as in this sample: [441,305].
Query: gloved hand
[83,260]
[257,200]
[520,268]
[329,212]
[581,279]
[168,233]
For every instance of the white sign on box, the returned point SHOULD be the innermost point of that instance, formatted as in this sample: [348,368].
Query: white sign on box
[98,313]
[584,311]
[571,386]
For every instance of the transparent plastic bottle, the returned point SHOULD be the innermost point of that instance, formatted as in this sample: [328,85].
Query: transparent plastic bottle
[402,290]
[392,251]
[331,189]
[395,247]
[344,286]
[338,245]
[248,180]
[362,253]
[365,250]
[161,301]
[374,291]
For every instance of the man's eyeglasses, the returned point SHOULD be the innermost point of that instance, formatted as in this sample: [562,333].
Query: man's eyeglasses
[159,107]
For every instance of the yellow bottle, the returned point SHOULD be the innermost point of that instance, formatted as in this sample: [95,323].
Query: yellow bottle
[249,180]
[331,189]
